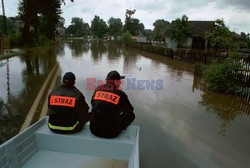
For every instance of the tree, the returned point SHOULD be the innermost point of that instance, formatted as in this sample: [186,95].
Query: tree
[149,34]
[10,25]
[98,27]
[27,11]
[126,37]
[220,37]
[51,9]
[225,77]
[115,27]
[180,30]
[41,15]
[160,28]
[86,29]
[78,27]
[243,35]
[132,25]
[248,40]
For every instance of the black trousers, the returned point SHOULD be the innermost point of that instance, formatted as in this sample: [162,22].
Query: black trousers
[104,133]
[82,121]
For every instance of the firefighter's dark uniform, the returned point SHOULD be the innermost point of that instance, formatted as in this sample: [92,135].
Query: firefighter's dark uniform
[68,110]
[111,111]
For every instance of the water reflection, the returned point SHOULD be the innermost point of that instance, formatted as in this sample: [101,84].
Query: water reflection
[176,130]
[114,52]
[227,108]
[98,49]
[130,59]
[78,48]
[60,47]
[198,83]
[24,76]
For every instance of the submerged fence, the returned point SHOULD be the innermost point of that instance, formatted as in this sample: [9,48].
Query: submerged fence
[203,57]
[190,55]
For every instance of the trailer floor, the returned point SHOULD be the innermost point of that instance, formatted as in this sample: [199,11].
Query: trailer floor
[52,159]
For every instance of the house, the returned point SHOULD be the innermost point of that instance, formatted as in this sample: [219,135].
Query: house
[19,24]
[60,29]
[139,39]
[197,40]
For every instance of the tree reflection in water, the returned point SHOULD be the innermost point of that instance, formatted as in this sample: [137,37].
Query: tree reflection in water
[226,107]
[98,49]
[78,48]
[33,70]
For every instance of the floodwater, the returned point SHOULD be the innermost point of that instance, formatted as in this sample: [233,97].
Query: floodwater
[182,125]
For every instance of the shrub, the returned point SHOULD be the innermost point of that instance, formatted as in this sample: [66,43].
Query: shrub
[15,39]
[41,40]
[126,37]
[224,77]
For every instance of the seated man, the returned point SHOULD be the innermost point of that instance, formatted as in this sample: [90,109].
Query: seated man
[68,109]
[111,109]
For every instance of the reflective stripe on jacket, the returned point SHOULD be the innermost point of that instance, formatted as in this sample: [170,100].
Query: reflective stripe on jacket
[63,128]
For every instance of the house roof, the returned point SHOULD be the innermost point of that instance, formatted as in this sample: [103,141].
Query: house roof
[198,28]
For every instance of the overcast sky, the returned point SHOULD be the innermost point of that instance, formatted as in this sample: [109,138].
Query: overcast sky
[236,13]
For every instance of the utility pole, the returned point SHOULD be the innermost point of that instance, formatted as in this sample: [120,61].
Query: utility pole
[4,20]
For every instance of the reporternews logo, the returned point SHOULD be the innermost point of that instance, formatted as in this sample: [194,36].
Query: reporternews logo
[130,84]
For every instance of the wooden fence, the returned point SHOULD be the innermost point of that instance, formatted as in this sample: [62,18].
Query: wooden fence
[4,43]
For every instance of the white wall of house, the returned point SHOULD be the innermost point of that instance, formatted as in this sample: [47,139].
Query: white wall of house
[171,43]
[188,43]
[142,39]
[18,25]
[174,44]
[61,30]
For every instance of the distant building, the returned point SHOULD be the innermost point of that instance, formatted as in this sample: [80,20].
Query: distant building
[197,40]
[139,39]
[60,29]
[245,50]
[18,25]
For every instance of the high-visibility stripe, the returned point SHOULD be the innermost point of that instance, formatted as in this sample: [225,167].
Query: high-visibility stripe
[63,128]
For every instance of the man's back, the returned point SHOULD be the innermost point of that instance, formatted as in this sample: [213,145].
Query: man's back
[68,109]
[111,111]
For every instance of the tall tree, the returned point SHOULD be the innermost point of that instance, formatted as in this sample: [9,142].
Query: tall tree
[128,19]
[115,27]
[220,37]
[27,11]
[243,35]
[160,28]
[98,27]
[10,25]
[133,25]
[180,30]
[78,27]
[51,9]
[39,13]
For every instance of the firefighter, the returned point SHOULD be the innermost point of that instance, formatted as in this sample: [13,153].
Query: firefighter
[111,109]
[68,108]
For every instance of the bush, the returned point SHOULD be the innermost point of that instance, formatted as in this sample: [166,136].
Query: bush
[15,39]
[41,40]
[126,37]
[224,77]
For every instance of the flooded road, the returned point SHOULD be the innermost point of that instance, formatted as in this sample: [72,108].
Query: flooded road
[182,125]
